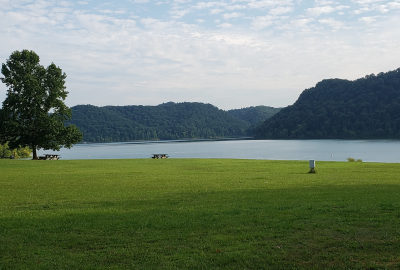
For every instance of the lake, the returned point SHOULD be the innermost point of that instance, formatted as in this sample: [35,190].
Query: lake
[324,150]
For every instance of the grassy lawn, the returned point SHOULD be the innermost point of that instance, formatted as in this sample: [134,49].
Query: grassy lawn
[198,214]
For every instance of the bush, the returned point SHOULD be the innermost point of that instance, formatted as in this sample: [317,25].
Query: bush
[350,159]
[6,152]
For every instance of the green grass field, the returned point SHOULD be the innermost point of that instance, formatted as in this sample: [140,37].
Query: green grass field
[198,214]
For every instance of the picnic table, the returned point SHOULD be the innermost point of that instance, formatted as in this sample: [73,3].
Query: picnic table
[50,157]
[157,156]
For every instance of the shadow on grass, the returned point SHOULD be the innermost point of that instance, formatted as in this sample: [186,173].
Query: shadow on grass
[331,227]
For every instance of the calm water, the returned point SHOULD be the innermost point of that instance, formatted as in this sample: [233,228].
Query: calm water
[326,150]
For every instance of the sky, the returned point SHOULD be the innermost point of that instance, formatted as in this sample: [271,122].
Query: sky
[231,53]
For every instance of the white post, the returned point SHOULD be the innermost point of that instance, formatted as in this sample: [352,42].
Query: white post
[312,164]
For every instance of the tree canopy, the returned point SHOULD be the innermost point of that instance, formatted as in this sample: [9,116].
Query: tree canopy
[33,113]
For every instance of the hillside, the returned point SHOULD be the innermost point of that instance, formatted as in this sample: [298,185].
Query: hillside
[367,108]
[254,114]
[168,121]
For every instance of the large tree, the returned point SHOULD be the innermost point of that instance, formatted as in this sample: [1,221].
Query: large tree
[34,113]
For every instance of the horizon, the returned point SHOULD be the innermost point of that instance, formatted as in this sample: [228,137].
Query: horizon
[144,105]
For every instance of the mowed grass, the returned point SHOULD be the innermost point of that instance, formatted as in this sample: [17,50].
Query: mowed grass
[198,214]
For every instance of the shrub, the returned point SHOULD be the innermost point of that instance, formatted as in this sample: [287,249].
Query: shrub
[350,159]
[6,152]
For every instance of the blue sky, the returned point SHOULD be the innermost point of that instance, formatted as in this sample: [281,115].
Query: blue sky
[232,54]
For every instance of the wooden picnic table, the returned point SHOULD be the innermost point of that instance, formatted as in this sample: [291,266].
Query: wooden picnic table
[157,156]
[50,157]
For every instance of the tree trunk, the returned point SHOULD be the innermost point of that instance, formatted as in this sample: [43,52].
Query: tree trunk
[34,153]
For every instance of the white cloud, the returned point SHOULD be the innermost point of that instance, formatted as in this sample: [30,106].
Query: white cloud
[388,7]
[280,10]
[267,3]
[40,6]
[109,11]
[325,2]
[228,16]
[60,10]
[301,22]
[367,20]
[384,8]
[205,5]
[393,5]
[262,22]
[363,2]
[341,7]
[225,25]
[156,24]
[65,3]
[335,24]
[234,7]
[216,11]
[361,10]
[177,14]
[317,11]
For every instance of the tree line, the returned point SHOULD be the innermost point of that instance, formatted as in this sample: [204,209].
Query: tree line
[167,121]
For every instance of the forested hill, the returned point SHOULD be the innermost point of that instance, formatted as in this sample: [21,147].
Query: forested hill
[254,115]
[167,121]
[367,108]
